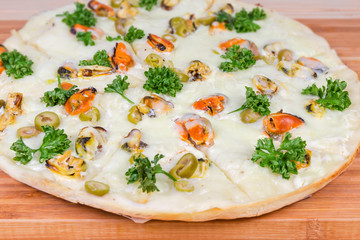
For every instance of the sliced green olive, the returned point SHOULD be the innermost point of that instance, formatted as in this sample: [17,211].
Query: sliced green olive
[183,186]
[116,3]
[93,115]
[175,22]
[46,118]
[27,132]
[249,116]
[183,77]
[206,21]
[2,103]
[183,31]
[97,188]
[285,55]
[154,60]
[120,27]
[134,115]
[185,167]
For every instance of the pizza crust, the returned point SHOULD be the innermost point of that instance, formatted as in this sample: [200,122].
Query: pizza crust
[120,205]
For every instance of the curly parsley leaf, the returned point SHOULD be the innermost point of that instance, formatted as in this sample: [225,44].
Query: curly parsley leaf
[110,39]
[144,172]
[257,102]
[16,64]
[133,33]
[81,15]
[162,80]
[332,96]
[100,58]
[54,142]
[240,59]
[243,20]
[85,37]
[58,96]
[119,85]
[148,4]
[23,153]
[281,160]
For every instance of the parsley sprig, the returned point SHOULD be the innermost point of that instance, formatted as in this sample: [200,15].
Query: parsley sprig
[85,37]
[162,80]
[100,58]
[132,34]
[240,59]
[58,96]
[281,160]
[81,15]
[16,64]
[333,96]
[119,85]
[54,142]
[144,172]
[257,102]
[148,4]
[243,20]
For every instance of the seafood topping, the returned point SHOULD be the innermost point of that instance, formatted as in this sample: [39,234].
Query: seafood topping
[67,70]
[101,9]
[312,63]
[121,58]
[132,142]
[12,108]
[66,165]
[198,71]
[96,33]
[296,70]
[154,105]
[212,104]
[195,130]
[243,43]
[159,44]
[279,123]
[90,141]
[264,85]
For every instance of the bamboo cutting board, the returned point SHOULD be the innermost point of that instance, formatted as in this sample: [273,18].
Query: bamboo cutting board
[331,213]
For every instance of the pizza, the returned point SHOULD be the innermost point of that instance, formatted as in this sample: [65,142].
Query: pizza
[175,110]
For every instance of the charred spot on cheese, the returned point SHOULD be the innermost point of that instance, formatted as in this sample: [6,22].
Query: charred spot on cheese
[132,142]
[90,141]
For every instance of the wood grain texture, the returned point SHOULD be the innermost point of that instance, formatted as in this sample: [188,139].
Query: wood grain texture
[331,213]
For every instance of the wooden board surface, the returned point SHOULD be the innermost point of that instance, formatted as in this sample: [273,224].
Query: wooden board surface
[332,213]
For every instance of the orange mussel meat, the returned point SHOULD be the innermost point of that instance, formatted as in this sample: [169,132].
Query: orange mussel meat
[212,104]
[101,9]
[2,49]
[80,102]
[121,58]
[195,130]
[159,44]
[279,123]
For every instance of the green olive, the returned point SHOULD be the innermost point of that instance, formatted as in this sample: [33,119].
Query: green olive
[46,118]
[134,3]
[154,60]
[183,31]
[285,55]
[120,27]
[97,188]
[201,169]
[134,115]
[27,132]
[183,186]
[249,116]
[206,21]
[2,103]
[185,167]
[93,115]
[175,22]
[116,3]
[183,77]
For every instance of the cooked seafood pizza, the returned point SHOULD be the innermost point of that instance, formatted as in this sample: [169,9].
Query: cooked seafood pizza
[175,110]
